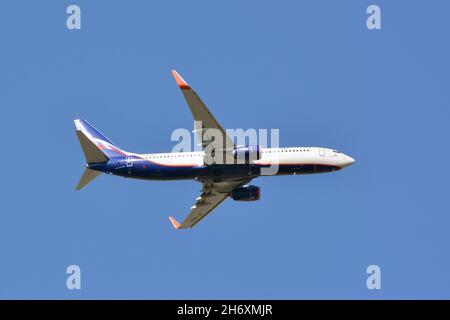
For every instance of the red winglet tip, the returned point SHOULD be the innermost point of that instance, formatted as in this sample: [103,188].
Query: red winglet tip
[183,84]
[175,223]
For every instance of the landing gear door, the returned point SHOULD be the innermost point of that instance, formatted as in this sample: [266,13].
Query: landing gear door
[322,152]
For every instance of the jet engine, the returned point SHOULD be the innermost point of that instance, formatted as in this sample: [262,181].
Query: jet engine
[246,193]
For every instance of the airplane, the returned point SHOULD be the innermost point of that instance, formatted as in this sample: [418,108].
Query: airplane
[220,180]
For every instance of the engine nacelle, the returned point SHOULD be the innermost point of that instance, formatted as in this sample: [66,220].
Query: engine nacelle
[246,154]
[246,193]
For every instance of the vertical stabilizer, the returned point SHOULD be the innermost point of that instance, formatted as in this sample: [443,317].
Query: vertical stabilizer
[97,139]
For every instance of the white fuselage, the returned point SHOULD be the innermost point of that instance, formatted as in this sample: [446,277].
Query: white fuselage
[269,156]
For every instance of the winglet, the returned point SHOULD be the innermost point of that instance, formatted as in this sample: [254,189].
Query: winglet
[183,84]
[175,223]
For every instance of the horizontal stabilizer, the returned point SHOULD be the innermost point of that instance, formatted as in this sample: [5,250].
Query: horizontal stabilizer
[92,153]
[87,177]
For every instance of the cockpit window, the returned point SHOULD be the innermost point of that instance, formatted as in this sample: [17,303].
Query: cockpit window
[336,151]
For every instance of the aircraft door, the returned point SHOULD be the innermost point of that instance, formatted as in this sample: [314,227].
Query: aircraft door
[128,161]
[322,152]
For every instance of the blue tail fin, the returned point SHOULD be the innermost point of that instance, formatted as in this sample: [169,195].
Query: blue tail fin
[99,140]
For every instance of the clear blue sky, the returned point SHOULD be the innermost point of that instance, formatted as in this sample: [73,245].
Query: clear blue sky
[310,68]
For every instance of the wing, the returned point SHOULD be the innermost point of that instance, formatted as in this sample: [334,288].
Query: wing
[206,126]
[213,194]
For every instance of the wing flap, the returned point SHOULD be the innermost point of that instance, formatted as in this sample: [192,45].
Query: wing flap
[201,211]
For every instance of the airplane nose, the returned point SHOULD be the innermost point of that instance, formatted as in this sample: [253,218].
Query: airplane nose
[348,161]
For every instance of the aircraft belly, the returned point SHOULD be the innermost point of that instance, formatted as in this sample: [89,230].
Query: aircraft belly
[213,172]
[288,169]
